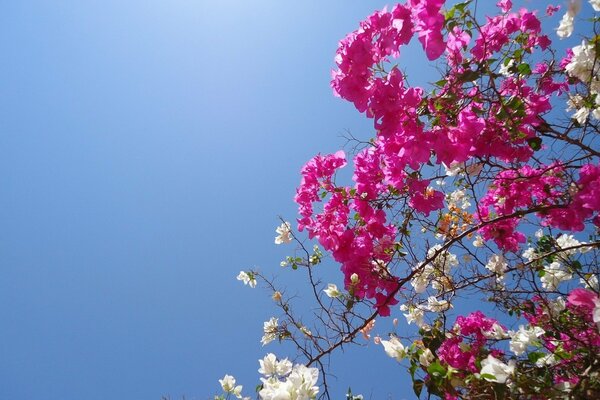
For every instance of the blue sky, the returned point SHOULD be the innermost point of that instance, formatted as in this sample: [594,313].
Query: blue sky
[146,151]
[147,148]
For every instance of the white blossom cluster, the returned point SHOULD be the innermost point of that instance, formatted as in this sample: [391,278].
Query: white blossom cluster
[585,67]
[435,272]
[281,381]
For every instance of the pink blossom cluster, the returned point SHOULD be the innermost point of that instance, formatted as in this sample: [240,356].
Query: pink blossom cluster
[474,115]
[468,342]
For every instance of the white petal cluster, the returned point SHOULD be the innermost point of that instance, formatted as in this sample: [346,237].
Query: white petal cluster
[270,331]
[497,264]
[584,66]
[228,386]
[426,358]
[566,241]
[458,198]
[595,4]
[435,305]
[415,314]
[565,29]
[332,291]
[284,233]
[496,332]
[522,338]
[437,270]
[394,348]
[495,367]
[554,274]
[269,366]
[248,278]
[281,381]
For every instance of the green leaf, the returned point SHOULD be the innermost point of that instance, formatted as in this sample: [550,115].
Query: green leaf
[487,376]
[436,369]
[524,69]
[535,143]
[534,356]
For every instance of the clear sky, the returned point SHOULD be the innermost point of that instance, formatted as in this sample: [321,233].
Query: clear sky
[146,150]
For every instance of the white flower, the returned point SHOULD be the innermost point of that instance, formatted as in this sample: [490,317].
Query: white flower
[505,68]
[435,305]
[284,232]
[497,264]
[304,381]
[590,283]
[248,278]
[595,4]
[583,67]
[332,290]
[426,358]
[496,332]
[444,260]
[478,242]
[495,367]
[523,338]
[554,275]
[565,29]
[414,314]
[394,348]
[539,234]
[529,254]
[269,366]
[566,241]
[548,359]
[270,328]
[228,385]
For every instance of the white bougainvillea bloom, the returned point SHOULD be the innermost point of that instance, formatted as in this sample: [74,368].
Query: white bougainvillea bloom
[523,338]
[394,348]
[595,4]
[270,328]
[248,278]
[554,274]
[478,242]
[567,241]
[495,367]
[301,384]
[332,291]
[269,366]
[284,233]
[565,28]
[496,332]
[228,386]
[414,314]
[426,358]
[583,65]
[435,305]
[497,264]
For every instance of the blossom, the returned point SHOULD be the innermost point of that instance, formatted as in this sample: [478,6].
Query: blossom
[499,370]
[415,314]
[595,4]
[426,358]
[497,264]
[269,366]
[435,305]
[332,290]
[553,275]
[394,348]
[565,29]
[270,330]
[228,385]
[248,278]
[523,338]
[284,233]
[300,384]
